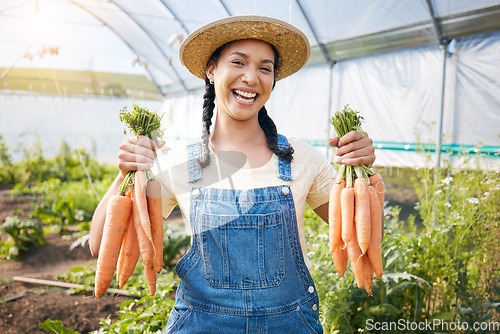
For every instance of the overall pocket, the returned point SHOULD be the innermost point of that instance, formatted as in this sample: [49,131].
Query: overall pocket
[243,251]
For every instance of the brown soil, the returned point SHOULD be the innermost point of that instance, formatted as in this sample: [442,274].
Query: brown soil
[26,305]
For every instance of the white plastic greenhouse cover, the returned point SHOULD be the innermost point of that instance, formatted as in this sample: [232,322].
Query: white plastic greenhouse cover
[385,58]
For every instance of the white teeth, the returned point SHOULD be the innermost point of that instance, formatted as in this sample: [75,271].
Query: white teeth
[245,94]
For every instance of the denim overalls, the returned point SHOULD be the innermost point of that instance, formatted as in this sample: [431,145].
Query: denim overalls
[245,272]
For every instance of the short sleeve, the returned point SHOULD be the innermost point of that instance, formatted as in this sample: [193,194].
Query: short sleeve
[313,172]
[319,193]
[163,173]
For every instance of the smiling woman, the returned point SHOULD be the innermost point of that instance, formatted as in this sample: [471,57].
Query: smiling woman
[247,267]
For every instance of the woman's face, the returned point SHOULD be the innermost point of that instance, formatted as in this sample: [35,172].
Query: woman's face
[243,78]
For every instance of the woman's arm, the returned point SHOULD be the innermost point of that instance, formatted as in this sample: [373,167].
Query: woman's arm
[135,153]
[322,212]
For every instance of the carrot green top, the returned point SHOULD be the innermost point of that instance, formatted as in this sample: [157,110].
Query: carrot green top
[141,122]
[345,121]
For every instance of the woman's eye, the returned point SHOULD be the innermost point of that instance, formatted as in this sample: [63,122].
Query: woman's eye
[237,62]
[267,69]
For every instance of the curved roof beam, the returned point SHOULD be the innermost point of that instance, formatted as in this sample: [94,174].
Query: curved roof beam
[153,41]
[321,45]
[175,16]
[121,38]
[225,7]
[437,27]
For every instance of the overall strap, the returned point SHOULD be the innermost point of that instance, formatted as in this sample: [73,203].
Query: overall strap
[194,156]
[284,166]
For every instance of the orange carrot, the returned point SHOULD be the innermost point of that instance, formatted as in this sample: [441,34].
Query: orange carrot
[142,205]
[129,254]
[347,207]
[367,275]
[377,182]
[340,260]
[145,246]
[375,248]
[362,213]
[150,273]
[115,226]
[153,195]
[335,216]
[354,254]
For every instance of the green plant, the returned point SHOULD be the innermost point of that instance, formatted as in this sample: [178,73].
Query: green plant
[83,275]
[175,244]
[457,206]
[67,203]
[22,235]
[149,314]
[55,327]
[68,165]
[145,313]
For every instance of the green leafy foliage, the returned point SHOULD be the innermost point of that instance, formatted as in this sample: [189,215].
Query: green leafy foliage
[84,275]
[68,187]
[22,235]
[447,268]
[459,208]
[145,313]
[68,165]
[142,121]
[8,174]
[346,120]
[55,327]
[67,203]
[175,244]
[149,314]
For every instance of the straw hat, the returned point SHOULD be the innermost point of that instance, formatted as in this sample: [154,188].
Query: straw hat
[291,43]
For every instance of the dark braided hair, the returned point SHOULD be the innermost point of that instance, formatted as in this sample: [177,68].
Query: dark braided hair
[208,112]
[265,122]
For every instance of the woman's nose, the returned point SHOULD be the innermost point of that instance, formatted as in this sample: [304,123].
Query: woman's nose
[250,77]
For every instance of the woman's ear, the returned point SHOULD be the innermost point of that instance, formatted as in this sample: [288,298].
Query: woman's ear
[210,70]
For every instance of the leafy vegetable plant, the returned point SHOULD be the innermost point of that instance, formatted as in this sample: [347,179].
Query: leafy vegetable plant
[22,234]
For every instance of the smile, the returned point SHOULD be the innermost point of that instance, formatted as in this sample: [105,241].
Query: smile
[244,96]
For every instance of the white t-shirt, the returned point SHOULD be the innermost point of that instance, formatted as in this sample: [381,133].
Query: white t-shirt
[312,179]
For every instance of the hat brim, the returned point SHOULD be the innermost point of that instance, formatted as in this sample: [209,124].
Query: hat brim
[291,43]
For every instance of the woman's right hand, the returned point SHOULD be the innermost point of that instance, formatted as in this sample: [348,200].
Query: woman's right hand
[137,153]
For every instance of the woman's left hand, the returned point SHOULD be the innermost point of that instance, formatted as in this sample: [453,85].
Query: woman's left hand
[354,148]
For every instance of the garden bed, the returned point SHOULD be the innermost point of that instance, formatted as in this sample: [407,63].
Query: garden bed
[27,305]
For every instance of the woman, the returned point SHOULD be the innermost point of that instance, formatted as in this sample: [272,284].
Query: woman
[243,188]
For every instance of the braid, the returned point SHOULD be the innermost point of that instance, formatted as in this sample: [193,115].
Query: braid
[267,124]
[208,112]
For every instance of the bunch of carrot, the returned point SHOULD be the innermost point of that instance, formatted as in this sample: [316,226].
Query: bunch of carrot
[134,223]
[356,213]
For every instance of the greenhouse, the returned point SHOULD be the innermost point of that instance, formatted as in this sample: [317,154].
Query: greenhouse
[414,69]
